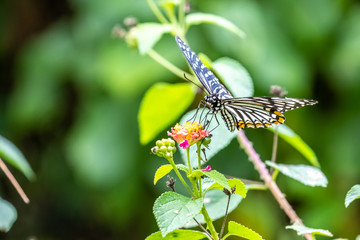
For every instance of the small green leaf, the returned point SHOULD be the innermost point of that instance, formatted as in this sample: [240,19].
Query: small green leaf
[240,187]
[236,229]
[221,139]
[234,76]
[296,141]
[8,215]
[161,172]
[198,18]
[157,109]
[182,167]
[178,235]
[215,203]
[352,194]
[218,178]
[10,153]
[173,211]
[148,34]
[300,229]
[308,175]
[196,174]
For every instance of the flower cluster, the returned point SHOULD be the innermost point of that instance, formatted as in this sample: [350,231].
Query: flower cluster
[187,134]
[164,148]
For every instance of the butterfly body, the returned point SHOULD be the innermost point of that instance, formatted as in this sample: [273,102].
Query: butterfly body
[241,112]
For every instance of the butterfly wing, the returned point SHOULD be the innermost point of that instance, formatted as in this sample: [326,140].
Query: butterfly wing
[258,112]
[206,77]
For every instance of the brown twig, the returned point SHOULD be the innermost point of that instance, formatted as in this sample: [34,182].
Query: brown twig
[202,227]
[13,181]
[265,175]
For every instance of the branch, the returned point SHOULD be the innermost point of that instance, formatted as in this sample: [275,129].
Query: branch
[13,181]
[265,175]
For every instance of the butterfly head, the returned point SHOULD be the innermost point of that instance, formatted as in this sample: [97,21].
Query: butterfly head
[214,103]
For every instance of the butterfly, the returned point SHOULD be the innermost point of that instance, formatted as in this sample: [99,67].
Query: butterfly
[239,112]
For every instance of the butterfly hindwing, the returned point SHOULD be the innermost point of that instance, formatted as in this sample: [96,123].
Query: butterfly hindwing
[260,112]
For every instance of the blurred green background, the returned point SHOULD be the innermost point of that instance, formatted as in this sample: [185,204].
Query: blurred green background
[70,94]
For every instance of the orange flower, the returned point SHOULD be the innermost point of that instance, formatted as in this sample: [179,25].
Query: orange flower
[192,132]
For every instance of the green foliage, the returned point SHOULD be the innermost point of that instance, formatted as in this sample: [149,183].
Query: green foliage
[157,108]
[352,194]
[173,210]
[215,203]
[235,77]
[8,215]
[10,153]
[148,34]
[218,178]
[308,175]
[300,229]
[236,229]
[178,235]
[239,186]
[297,142]
[199,18]
[161,172]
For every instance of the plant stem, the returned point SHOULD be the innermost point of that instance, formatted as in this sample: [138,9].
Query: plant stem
[171,160]
[226,213]
[202,227]
[265,175]
[157,11]
[188,159]
[199,163]
[13,181]
[168,65]
[275,144]
[209,223]
[182,13]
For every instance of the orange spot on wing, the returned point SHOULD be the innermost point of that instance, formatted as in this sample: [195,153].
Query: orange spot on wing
[267,125]
[250,125]
[259,125]
[281,119]
[240,125]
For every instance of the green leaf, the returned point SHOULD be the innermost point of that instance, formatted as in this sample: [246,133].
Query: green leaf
[173,211]
[161,172]
[218,178]
[352,194]
[300,229]
[296,141]
[148,34]
[308,175]
[221,139]
[240,187]
[198,18]
[10,153]
[234,76]
[215,203]
[157,109]
[178,235]
[8,215]
[236,229]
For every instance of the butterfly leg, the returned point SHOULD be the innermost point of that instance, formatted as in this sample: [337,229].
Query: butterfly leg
[201,105]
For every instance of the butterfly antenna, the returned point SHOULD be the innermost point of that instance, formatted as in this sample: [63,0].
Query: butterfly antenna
[202,88]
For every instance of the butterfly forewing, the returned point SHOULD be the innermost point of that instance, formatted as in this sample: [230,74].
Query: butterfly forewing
[206,77]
